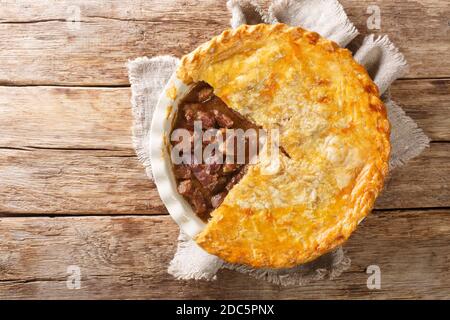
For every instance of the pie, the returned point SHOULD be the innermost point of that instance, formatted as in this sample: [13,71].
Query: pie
[333,134]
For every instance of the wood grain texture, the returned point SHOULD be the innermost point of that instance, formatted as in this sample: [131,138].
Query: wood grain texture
[423,182]
[43,181]
[39,181]
[428,103]
[47,48]
[127,257]
[60,117]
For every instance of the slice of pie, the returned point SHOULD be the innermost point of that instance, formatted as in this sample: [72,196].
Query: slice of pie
[333,133]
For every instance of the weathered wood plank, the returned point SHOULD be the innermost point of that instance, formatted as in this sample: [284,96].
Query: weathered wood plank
[42,181]
[71,182]
[94,51]
[428,103]
[423,182]
[67,117]
[127,257]
[60,117]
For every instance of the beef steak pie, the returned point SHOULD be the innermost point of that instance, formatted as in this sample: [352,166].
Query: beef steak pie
[333,138]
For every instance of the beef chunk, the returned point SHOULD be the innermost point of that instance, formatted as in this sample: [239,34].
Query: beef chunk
[190,111]
[208,176]
[189,114]
[213,168]
[212,164]
[194,196]
[217,199]
[186,188]
[198,202]
[182,171]
[207,119]
[205,94]
[223,120]
[203,176]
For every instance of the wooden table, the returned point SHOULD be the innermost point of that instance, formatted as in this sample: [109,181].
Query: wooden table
[72,192]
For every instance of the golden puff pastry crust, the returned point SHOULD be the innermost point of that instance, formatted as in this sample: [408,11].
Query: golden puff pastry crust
[332,125]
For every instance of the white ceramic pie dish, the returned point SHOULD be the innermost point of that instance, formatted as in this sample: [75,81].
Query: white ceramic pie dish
[163,175]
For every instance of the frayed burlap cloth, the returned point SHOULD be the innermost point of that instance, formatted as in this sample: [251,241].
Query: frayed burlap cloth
[327,17]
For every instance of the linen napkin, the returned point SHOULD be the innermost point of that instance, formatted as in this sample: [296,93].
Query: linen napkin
[326,17]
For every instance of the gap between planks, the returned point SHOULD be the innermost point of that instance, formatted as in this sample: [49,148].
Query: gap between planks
[127,85]
[155,215]
[122,150]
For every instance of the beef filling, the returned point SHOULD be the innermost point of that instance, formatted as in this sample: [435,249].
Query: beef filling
[205,185]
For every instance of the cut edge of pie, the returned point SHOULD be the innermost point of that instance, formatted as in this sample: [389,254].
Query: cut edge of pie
[336,167]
